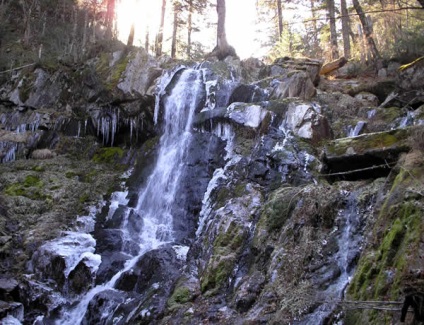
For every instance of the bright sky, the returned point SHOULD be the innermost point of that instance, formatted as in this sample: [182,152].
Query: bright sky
[240,25]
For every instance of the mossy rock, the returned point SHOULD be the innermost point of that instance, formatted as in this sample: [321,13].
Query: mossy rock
[278,208]
[393,256]
[371,142]
[181,295]
[108,155]
[217,275]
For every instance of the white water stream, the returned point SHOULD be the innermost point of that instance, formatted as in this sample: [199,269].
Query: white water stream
[349,243]
[156,198]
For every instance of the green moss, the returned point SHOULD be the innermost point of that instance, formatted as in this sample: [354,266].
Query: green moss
[32,180]
[38,168]
[384,273]
[222,196]
[84,198]
[31,188]
[111,74]
[278,208]
[389,114]
[370,141]
[108,155]
[181,295]
[230,240]
[226,246]
[216,276]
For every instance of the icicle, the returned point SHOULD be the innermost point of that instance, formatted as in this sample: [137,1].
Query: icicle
[79,130]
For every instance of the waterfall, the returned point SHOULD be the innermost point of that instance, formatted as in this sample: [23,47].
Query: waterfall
[153,211]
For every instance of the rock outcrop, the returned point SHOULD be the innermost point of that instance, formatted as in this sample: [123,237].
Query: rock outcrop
[295,193]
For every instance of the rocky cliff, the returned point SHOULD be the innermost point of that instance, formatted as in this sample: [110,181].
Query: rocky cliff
[296,197]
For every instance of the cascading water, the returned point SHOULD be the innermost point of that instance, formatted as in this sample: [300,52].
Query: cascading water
[154,208]
[349,240]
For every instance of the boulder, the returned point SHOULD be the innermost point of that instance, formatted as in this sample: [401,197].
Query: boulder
[369,155]
[14,309]
[295,84]
[8,288]
[306,121]
[140,73]
[310,66]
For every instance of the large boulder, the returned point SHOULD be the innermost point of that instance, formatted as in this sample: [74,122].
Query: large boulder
[295,84]
[306,121]
[140,73]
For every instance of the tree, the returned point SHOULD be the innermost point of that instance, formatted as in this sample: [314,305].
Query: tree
[333,32]
[345,29]
[367,28]
[222,49]
[110,18]
[177,11]
[159,37]
[280,17]
[192,7]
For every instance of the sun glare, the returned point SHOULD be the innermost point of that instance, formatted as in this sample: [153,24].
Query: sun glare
[144,14]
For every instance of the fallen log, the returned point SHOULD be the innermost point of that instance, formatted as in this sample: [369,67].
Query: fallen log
[332,66]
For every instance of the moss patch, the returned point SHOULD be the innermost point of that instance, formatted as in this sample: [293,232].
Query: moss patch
[278,208]
[389,265]
[371,141]
[108,155]
[31,187]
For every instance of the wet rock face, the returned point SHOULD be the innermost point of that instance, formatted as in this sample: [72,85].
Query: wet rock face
[100,309]
[205,155]
[265,243]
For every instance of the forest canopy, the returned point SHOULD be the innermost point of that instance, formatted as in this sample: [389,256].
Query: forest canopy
[70,31]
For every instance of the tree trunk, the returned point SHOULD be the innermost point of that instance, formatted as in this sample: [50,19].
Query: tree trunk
[130,40]
[27,13]
[332,66]
[367,29]
[280,18]
[189,27]
[221,35]
[345,29]
[159,38]
[174,32]
[315,43]
[333,31]
[110,17]
[146,40]
[222,49]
